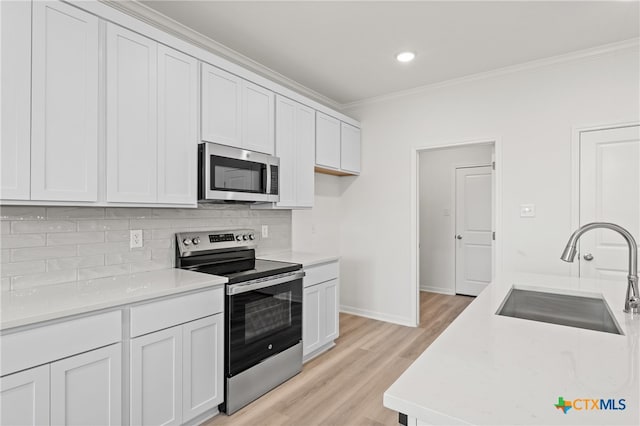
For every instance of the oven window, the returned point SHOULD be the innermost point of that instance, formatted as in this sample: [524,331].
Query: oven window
[264,316]
[229,174]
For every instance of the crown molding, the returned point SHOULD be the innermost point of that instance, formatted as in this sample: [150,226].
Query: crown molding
[175,28]
[567,57]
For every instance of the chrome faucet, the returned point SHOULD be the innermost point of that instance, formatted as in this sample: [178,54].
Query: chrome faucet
[632,300]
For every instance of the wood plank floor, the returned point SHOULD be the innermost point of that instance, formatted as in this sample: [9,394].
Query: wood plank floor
[344,386]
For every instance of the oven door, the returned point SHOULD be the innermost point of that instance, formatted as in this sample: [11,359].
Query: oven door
[237,175]
[264,317]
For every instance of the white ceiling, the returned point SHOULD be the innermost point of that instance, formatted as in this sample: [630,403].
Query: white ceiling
[345,50]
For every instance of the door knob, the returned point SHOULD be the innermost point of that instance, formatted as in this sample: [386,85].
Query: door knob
[588,257]
[459,237]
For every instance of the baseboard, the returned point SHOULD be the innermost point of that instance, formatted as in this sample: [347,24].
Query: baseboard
[441,290]
[380,316]
[318,352]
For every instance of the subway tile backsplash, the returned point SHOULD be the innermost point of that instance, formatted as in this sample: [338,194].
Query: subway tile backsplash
[50,245]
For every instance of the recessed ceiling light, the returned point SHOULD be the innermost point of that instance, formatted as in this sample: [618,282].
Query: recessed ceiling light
[405,56]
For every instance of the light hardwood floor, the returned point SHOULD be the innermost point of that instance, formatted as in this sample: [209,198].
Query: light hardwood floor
[344,386]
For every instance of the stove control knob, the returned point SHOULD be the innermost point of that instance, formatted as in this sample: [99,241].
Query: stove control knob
[186,241]
[252,237]
[245,237]
[196,240]
[238,237]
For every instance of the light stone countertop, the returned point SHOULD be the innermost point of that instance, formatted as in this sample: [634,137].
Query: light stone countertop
[33,305]
[494,370]
[304,258]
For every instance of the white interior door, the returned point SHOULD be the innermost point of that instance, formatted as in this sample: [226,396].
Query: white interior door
[609,192]
[473,229]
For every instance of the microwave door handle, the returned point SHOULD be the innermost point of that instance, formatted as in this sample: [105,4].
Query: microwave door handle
[268,177]
[207,171]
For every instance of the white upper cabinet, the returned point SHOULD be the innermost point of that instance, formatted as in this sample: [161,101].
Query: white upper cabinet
[305,155]
[350,149]
[257,118]
[236,112]
[221,106]
[64,138]
[132,131]
[16,96]
[327,141]
[177,126]
[286,149]
[295,137]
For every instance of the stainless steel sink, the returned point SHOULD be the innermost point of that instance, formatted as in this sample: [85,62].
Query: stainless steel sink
[574,311]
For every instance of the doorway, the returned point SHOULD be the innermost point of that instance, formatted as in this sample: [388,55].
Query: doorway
[456,217]
[609,191]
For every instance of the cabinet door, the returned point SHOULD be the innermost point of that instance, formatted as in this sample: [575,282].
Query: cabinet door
[330,314]
[202,365]
[24,397]
[327,141]
[286,150]
[64,138]
[177,122]
[350,149]
[257,118]
[156,378]
[86,389]
[312,321]
[131,116]
[305,155]
[15,139]
[221,112]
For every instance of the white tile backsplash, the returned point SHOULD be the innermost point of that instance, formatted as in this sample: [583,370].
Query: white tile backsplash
[27,240]
[103,225]
[48,226]
[74,238]
[49,245]
[51,252]
[75,262]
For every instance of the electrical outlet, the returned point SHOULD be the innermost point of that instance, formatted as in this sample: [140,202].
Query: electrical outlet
[135,238]
[265,231]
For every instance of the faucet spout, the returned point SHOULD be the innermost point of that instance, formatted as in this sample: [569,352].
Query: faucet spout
[632,300]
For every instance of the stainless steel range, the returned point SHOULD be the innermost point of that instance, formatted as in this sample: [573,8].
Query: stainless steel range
[263,311]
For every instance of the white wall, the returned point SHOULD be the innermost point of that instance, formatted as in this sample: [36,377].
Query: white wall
[437,212]
[318,229]
[532,111]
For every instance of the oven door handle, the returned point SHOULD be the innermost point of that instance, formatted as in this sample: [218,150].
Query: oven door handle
[249,286]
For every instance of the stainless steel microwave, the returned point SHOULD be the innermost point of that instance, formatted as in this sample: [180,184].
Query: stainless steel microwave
[232,174]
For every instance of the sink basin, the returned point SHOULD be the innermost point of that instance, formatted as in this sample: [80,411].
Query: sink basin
[591,313]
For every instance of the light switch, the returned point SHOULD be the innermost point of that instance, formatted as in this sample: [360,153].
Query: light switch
[527,210]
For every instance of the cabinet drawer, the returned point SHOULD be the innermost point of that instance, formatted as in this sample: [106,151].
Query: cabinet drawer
[320,273]
[49,343]
[176,310]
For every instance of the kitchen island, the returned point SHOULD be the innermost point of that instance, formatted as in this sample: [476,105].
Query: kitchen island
[492,369]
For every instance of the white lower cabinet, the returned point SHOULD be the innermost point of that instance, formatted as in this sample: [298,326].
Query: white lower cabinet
[24,397]
[84,389]
[176,373]
[320,321]
[202,365]
[156,385]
